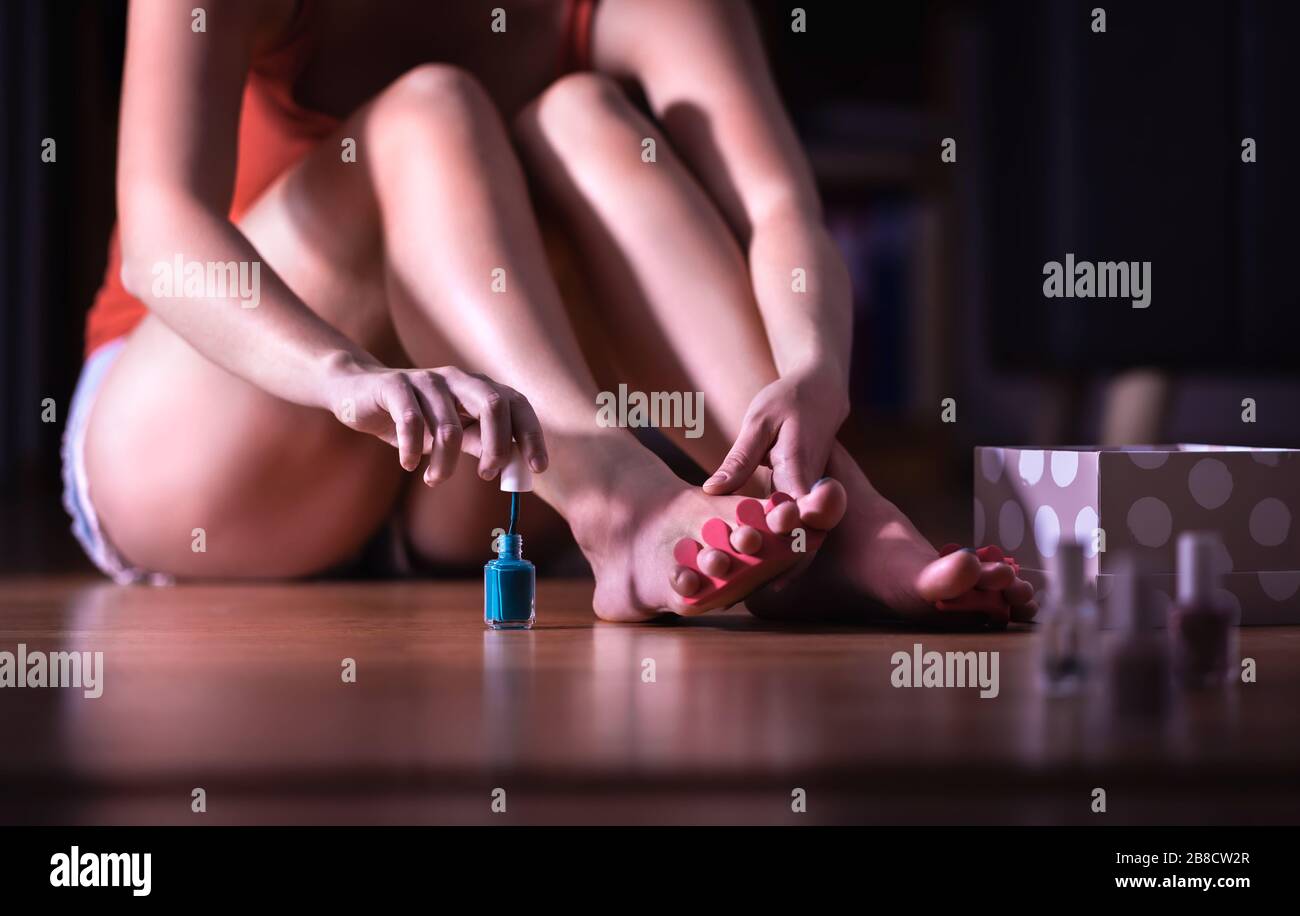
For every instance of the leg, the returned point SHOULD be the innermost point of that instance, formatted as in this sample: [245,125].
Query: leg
[465,263]
[176,443]
[437,208]
[669,274]
[280,490]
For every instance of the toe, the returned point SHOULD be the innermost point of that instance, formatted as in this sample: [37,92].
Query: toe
[995,576]
[824,505]
[784,518]
[685,551]
[685,581]
[746,539]
[1019,592]
[948,577]
[1025,612]
[713,562]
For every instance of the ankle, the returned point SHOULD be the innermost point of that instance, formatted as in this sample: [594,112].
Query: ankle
[591,476]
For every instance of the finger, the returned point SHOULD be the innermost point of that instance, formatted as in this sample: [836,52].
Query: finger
[761,479]
[792,467]
[470,441]
[736,469]
[408,423]
[446,434]
[527,430]
[488,405]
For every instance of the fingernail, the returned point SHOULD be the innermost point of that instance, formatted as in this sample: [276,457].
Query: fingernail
[536,464]
[968,550]
[716,478]
[820,482]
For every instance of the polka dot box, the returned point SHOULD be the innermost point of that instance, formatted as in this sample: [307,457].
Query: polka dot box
[1138,498]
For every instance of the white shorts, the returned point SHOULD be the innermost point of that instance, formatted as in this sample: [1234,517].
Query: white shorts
[76,488]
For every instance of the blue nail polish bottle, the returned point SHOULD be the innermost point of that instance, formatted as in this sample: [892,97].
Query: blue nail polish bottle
[509,585]
[510,581]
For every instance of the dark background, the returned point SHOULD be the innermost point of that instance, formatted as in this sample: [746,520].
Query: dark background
[1115,146]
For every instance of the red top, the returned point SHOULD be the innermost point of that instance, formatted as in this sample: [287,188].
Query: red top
[274,133]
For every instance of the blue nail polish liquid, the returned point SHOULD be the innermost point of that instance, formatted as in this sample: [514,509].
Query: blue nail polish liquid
[509,584]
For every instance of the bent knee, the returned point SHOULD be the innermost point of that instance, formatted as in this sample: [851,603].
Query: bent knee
[429,95]
[438,84]
[571,104]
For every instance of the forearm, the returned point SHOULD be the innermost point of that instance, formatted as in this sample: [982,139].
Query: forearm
[244,318]
[803,293]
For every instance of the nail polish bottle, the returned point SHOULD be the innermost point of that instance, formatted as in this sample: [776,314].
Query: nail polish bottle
[1138,663]
[1068,633]
[1202,625]
[510,581]
[509,584]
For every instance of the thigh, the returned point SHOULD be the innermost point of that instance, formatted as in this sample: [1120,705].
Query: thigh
[176,443]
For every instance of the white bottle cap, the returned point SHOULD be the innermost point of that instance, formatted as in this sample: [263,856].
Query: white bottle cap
[1199,566]
[1068,571]
[1132,603]
[1122,600]
[517,476]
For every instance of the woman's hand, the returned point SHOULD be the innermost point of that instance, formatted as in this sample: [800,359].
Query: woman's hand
[438,412]
[790,426]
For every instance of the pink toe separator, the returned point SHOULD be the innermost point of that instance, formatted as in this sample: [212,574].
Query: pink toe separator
[747,571]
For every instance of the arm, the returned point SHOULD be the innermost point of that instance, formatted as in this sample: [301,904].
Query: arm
[181,99]
[702,67]
[176,172]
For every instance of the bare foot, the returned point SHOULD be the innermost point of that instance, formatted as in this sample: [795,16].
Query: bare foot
[630,541]
[877,561]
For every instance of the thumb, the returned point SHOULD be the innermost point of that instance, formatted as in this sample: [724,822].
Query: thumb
[741,462]
[471,442]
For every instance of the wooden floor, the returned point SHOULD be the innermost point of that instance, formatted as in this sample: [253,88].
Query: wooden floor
[238,691]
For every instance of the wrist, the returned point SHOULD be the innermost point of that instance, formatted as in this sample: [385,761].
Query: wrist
[336,370]
[824,371]
[823,382]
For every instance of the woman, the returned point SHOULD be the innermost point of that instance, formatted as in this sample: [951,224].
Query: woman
[370,159]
